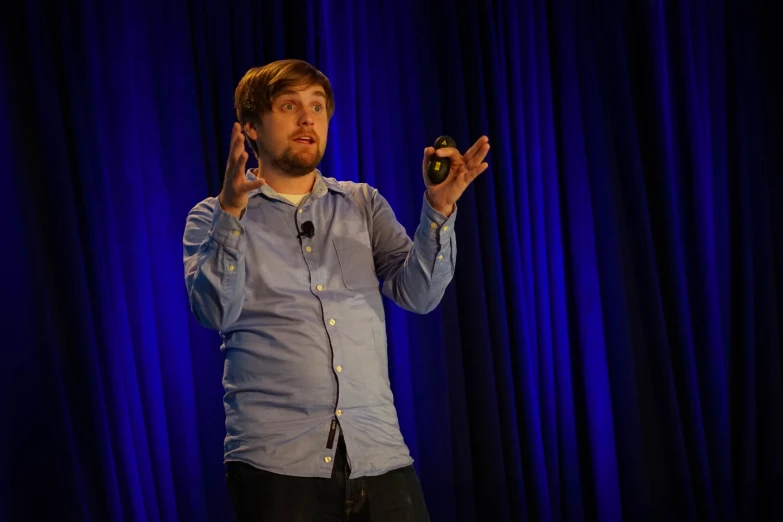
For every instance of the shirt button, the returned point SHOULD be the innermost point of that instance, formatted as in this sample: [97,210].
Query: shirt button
[339,369]
[433,225]
[332,322]
[235,232]
[300,210]
[231,268]
[339,412]
[327,459]
[319,287]
[445,228]
[440,258]
[309,249]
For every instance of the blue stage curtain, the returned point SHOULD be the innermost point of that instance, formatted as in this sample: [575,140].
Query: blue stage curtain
[610,348]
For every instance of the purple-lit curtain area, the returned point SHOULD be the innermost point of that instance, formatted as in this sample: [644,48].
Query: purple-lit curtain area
[610,347]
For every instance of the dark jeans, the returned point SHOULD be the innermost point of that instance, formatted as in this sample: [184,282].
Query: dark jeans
[261,496]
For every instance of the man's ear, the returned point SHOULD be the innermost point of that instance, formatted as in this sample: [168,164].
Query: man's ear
[250,131]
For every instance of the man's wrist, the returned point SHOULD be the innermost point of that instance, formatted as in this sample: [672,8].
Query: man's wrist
[444,209]
[234,211]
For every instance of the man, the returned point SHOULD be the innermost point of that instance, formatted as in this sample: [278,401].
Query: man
[285,263]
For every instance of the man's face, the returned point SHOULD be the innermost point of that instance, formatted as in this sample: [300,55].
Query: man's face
[292,136]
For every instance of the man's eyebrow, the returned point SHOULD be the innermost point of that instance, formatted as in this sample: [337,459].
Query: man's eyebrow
[292,91]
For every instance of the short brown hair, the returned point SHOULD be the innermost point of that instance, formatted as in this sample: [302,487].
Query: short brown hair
[260,85]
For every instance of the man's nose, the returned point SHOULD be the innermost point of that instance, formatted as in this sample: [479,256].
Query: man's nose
[306,118]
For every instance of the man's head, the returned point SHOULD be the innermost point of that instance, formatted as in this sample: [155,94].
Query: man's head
[284,109]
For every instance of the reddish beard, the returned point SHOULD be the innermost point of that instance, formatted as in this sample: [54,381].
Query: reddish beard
[294,164]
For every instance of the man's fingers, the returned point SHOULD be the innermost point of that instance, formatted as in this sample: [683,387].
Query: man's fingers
[466,175]
[243,186]
[449,152]
[236,157]
[473,173]
[259,181]
[464,169]
[235,149]
[428,152]
[239,165]
[456,158]
[476,148]
[235,129]
[239,146]
[478,156]
[235,169]
[247,186]
[236,137]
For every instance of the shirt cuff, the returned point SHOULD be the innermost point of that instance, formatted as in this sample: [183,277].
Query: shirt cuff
[226,229]
[436,225]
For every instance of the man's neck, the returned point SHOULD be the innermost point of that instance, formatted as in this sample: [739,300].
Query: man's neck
[284,184]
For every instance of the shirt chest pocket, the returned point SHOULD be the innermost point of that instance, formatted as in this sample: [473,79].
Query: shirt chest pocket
[356,263]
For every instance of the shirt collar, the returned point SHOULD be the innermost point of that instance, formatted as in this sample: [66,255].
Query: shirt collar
[321,186]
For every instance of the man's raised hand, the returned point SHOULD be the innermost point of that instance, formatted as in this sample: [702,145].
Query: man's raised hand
[236,187]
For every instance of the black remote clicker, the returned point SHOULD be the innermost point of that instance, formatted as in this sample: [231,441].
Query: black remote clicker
[438,168]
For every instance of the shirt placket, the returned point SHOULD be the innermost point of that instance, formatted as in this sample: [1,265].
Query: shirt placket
[318,275]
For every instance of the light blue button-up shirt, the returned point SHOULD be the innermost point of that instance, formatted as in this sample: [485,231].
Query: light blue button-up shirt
[304,334]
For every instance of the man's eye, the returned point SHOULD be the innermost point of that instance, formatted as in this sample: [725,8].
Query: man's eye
[288,106]
[317,108]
